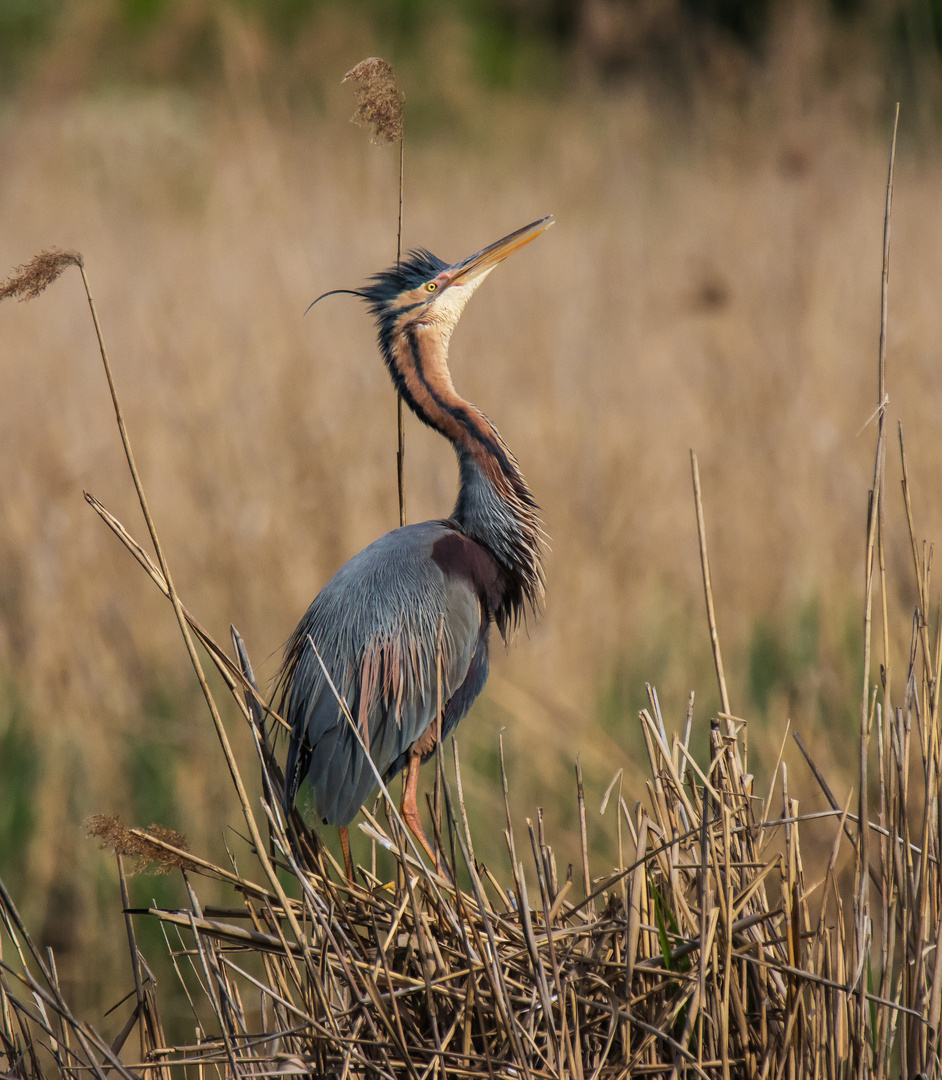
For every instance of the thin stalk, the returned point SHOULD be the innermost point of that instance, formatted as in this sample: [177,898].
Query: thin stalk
[874,542]
[184,627]
[401,431]
[708,592]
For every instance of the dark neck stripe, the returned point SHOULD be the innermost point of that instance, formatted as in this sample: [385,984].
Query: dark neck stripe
[388,319]
[461,414]
[399,381]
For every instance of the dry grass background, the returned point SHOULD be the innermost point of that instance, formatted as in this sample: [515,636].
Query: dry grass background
[712,282]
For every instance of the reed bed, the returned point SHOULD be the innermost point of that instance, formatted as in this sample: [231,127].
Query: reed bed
[707,950]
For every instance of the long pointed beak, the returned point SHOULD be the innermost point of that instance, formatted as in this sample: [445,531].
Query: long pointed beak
[474,267]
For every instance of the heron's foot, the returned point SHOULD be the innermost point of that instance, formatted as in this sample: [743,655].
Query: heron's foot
[410,814]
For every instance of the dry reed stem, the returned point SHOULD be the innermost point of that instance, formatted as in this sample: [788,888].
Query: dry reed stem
[708,585]
[178,609]
[380,108]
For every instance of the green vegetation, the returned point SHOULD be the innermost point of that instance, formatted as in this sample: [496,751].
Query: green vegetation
[20,773]
[529,45]
[152,764]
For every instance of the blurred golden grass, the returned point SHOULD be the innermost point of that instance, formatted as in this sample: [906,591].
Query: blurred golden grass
[713,285]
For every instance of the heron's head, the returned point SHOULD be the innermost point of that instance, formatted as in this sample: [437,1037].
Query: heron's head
[423,292]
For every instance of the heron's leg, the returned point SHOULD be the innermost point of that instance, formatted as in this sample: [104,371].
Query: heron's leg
[409,809]
[347,857]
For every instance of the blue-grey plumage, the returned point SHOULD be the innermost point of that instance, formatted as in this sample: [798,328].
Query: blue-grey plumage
[421,599]
[379,626]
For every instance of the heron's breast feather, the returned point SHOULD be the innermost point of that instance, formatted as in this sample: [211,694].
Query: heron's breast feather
[459,557]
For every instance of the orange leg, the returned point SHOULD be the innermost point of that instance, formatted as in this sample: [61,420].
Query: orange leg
[409,809]
[347,857]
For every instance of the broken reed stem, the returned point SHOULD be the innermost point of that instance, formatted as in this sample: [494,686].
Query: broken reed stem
[923,613]
[132,947]
[708,592]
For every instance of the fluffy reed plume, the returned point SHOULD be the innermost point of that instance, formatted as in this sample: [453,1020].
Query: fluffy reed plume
[156,846]
[379,100]
[30,279]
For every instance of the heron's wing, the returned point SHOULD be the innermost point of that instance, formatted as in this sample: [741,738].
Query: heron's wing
[383,628]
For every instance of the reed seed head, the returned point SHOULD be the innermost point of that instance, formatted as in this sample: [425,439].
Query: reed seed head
[379,100]
[124,841]
[29,280]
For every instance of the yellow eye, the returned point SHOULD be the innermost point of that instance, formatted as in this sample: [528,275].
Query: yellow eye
[431,287]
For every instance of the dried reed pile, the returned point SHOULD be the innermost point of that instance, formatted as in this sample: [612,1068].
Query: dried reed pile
[707,951]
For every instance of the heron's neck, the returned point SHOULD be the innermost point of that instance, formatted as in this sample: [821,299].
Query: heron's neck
[494,507]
